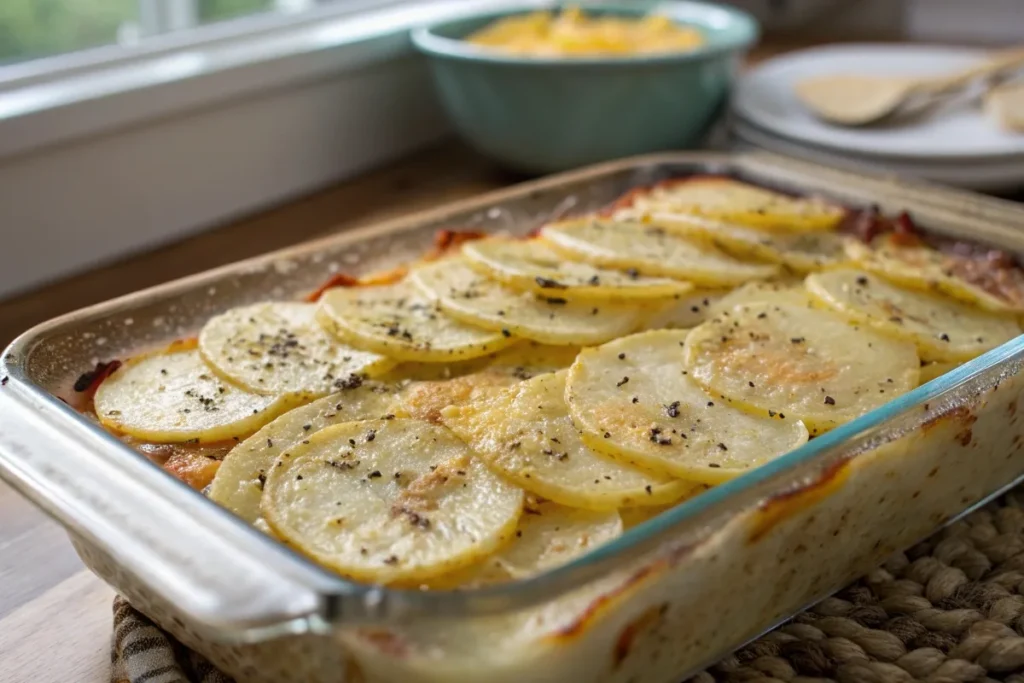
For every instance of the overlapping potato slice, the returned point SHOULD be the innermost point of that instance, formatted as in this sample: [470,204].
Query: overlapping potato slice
[934,370]
[174,397]
[689,310]
[532,266]
[632,517]
[279,348]
[783,292]
[238,484]
[801,251]
[796,363]
[400,322]
[731,200]
[632,399]
[466,295]
[389,500]
[651,251]
[425,399]
[550,535]
[525,434]
[966,278]
[943,329]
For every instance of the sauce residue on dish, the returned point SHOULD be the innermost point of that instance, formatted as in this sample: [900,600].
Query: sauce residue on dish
[573,34]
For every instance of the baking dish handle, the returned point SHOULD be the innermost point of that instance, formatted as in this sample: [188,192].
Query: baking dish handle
[206,564]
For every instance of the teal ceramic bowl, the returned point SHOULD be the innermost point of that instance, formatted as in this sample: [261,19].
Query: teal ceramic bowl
[541,115]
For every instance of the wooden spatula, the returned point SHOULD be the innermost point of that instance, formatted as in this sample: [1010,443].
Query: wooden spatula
[1005,105]
[851,100]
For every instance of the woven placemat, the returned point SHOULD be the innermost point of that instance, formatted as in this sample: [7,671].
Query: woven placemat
[949,610]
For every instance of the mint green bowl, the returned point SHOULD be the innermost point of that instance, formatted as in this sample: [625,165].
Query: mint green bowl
[541,115]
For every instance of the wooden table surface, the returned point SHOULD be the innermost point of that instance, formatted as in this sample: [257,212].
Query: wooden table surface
[55,620]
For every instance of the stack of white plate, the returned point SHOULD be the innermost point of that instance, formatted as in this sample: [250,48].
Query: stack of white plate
[955,143]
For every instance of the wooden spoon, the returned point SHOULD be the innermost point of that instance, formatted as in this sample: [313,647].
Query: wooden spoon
[1005,104]
[861,100]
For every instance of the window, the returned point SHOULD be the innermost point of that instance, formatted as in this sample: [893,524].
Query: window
[33,29]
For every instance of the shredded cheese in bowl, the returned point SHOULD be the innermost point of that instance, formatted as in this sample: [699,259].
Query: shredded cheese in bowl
[573,34]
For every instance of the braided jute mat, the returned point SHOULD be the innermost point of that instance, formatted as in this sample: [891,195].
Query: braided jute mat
[949,610]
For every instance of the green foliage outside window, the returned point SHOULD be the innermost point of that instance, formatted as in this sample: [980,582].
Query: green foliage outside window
[39,28]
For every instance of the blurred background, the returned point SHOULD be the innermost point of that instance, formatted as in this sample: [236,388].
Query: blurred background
[32,29]
[131,125]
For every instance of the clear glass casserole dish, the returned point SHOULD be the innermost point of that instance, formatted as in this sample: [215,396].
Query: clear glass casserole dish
[665,599]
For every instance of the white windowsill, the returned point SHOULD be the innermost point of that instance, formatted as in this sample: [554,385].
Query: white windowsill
[119,152]
[106,89]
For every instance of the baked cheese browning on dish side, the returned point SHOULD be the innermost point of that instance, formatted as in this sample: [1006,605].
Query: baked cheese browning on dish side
[474,299]
[796,363]
[943,329]
[402,323]
[968,277]
[389,500]
[238,484]
[525,434]
[502,406]
[532,266]
[663,420]
[799,251]
[278,348]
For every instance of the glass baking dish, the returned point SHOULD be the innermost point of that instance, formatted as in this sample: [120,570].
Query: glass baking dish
[667,598]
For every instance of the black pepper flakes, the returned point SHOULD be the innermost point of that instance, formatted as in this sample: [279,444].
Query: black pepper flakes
[374,475]
[548,283]
[622,381]
[829,401]
[944,337]
[722,446]
[672,409]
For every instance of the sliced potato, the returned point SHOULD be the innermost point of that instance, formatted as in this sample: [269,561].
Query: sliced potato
[466,295]
[389,500]
[632,517]
[174,397]
[930,371]
[687,311]
[400,322]
[525,434]
[238,484]
[796,363]
[943,329]
[632,399]
[731,200]
[550,535]
[278,348]
[532,266]
[523,360]
[801,251]
[783,292]
[962,277]
[651,251]
[425,399]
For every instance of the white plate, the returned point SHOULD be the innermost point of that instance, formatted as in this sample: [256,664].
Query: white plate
[990,176]
[958,129]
